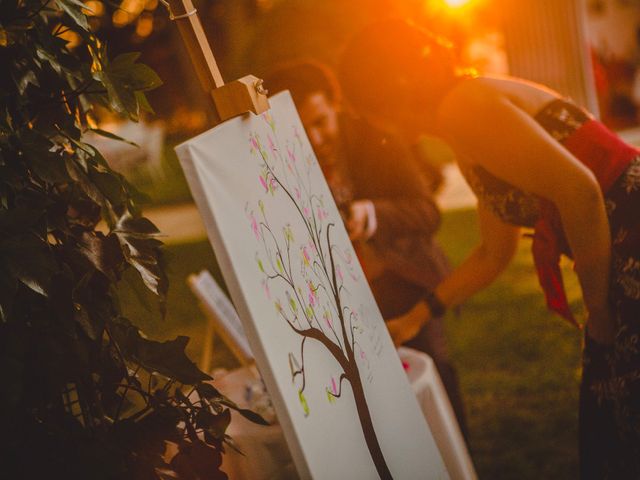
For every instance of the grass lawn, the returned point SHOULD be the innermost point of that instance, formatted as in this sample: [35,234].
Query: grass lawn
[519,366]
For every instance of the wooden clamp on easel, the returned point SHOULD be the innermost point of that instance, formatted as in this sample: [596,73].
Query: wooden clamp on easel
[232,99]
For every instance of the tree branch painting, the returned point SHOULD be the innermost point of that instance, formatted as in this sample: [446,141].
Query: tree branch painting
[304,275]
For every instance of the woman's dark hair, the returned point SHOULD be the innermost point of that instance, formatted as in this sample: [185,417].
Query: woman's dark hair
[303,77]
[392,64]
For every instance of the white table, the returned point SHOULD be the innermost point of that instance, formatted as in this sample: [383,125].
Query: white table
[266,453]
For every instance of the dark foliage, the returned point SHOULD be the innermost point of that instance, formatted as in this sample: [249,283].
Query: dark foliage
[84,393]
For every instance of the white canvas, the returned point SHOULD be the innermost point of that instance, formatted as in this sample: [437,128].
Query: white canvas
[319,340]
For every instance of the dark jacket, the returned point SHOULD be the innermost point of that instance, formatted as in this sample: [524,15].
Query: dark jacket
[382,170]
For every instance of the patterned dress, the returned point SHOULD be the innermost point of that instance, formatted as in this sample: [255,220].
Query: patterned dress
[610,389]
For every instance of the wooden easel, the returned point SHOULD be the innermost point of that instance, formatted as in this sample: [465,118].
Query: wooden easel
[229,100]
[232,99]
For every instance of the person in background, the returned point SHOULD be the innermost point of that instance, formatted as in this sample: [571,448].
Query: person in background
[534,159]
[385,202]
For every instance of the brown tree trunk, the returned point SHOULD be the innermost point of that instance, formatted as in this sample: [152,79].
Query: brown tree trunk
[353,375]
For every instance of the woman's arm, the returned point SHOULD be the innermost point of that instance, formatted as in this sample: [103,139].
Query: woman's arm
[497,247]
[525,155]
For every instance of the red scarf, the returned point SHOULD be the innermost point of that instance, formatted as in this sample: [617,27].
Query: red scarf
[607,157]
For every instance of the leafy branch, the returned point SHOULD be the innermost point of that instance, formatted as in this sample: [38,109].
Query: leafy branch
[85,390]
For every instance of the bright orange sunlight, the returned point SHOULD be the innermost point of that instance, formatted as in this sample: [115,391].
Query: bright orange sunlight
[456,3]
[448,6]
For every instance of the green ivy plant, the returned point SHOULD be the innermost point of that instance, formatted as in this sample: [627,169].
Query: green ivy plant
[84,393]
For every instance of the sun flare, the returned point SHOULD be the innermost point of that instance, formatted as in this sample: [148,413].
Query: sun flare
[456,3]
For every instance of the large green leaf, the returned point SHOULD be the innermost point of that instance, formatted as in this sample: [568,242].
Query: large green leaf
[112,136]
[49,166]
[167,358]
[76,171]
[135,76]
[50,58]
[140,247]
[211,393]
[73,8]
[124,81]
[101,251]
[145,106]
[214,424]
[120,100]
[30,262]
[137,226]
[109,184]
[26,79]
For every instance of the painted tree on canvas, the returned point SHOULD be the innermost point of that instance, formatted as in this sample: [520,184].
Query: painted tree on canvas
[305,276]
